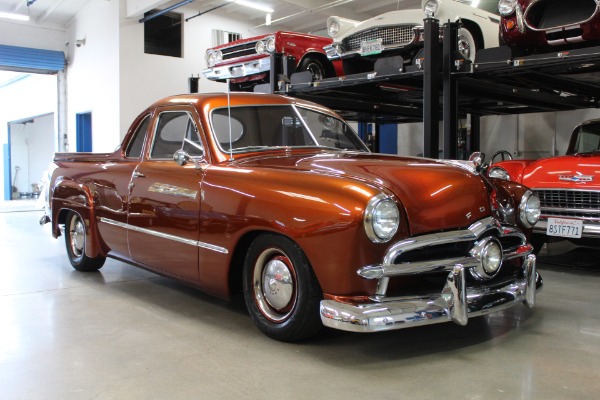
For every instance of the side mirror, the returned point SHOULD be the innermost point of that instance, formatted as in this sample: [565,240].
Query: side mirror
[477,158]
[181,157]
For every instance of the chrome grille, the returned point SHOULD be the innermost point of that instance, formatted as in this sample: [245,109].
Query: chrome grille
[570,203]
[549,14]
[392,35]
[241,50]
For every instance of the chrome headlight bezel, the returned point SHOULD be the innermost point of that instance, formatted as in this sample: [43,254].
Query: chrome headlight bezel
[499,173]
[507,7]
[333,27]
[213,57]
[270,45]
[261,47]
[430,8]
[381,219]
[529,209]
[490,255]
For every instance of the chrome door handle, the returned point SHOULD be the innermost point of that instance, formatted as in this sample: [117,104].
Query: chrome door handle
[138,175]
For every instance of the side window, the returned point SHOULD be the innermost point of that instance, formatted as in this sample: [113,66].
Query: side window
[137,142]
[175,131]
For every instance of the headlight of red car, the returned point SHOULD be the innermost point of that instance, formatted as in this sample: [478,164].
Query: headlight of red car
[529,209]
[507,7]
[381,219]
[213,57]
[500,173]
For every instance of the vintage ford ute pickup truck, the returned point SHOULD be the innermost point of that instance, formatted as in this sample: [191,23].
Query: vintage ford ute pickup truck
[278,198]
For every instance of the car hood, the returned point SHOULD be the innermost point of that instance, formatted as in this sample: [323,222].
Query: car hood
[580,171]
[435,195]
[413,17]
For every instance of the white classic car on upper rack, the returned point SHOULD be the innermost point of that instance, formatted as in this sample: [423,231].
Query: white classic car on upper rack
[400,32]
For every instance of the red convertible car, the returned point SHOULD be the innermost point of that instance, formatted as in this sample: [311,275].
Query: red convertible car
[530,24]
[247,62]
[567,186]
[278,198]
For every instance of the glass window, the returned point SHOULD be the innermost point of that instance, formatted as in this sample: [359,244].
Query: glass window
[175,131]
[136,144]
[163,34]
[263,127]
[588,139]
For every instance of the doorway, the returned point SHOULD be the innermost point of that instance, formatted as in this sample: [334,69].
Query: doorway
[84,132]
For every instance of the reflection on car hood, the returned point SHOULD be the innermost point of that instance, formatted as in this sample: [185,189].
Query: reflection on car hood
[435,195]
[580,171]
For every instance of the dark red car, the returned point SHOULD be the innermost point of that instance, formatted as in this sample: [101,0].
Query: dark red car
[247,62]
[530,24]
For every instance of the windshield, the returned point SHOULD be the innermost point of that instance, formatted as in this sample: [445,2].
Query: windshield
[586,139]
[254,128]
[486,5]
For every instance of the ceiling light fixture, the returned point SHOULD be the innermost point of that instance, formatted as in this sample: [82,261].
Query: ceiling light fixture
[254,5]
[18,17]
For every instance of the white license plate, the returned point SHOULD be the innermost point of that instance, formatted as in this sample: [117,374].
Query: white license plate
[569,228]
[370,47]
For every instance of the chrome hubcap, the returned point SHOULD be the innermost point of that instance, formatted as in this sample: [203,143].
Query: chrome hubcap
[274,285]
[464,47]
[77,236]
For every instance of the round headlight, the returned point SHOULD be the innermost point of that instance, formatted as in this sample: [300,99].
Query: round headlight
[381,219]
[500,173]
[507,7]
[529,209]
[270,46]
[333,27]
[218,56]
[210,58]
[489,253]
[261,47]
[430,8]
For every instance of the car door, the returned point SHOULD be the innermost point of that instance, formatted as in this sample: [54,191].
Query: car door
[164,200]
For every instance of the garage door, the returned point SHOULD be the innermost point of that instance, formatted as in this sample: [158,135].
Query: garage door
[23,59]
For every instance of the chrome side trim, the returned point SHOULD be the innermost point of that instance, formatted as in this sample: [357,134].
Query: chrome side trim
[174,238]
[455,303]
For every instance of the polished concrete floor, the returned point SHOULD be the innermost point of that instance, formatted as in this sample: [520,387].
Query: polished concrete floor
[124,333]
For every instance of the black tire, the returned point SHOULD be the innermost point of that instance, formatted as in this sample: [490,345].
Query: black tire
[314,66]
[537,241]
[286,307]
[75,239]
[468,43]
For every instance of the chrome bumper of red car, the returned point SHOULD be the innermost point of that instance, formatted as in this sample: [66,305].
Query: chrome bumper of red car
[238,70]
[456,303]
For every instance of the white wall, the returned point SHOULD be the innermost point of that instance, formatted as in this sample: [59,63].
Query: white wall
[93,73]
[28,35]
[145,78]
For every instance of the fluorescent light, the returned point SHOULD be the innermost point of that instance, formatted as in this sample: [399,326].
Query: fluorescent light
[19,17]
[254,5]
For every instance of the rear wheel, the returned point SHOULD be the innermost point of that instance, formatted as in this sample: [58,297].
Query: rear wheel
[281,292]
[75,239]
[315,67]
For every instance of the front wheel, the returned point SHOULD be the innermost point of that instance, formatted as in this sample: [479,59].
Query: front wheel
[315,67]
[467,44]
[75,239]
[281,291]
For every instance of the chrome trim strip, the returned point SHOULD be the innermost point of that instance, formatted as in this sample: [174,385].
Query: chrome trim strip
[174,238]
[558,26]
[455,303]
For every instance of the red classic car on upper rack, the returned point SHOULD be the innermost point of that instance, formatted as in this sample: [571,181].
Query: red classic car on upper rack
[530,24]
[247,62]
[567,186]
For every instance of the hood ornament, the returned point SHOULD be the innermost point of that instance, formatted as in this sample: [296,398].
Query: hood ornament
[576,178]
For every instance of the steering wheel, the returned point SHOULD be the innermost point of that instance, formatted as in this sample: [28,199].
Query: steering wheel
[501,153]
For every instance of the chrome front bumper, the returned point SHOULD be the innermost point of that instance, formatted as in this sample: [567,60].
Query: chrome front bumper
[455,301]
[238,70]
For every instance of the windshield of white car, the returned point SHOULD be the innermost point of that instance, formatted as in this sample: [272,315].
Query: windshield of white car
[264,127]
[587,139]
[490,6]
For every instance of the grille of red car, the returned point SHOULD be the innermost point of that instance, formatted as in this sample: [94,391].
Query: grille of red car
[570,203]
[240,50]
[548,14]
[393,35]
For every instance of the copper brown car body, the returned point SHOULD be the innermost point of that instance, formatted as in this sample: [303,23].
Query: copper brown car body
[202,219]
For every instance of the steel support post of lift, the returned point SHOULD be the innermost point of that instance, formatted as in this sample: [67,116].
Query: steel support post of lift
[450,92]
[431,64]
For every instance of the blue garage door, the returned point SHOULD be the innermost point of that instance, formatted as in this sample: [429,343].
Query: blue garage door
[23,59]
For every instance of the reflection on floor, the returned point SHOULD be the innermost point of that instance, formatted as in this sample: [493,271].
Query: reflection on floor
[21,205]
[126,333]
[569,255]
